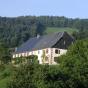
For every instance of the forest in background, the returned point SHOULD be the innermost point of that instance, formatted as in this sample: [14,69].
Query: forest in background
[15,31]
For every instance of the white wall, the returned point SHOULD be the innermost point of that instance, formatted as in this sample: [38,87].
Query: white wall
[61,52]
[51,54]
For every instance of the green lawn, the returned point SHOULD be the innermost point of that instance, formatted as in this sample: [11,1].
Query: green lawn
[56,29]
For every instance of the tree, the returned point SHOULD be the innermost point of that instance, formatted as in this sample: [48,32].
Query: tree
[75,65]
[82,34]
[32,59]
[5,56]
[24,75]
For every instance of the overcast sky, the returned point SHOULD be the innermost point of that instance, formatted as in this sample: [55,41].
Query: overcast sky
[68,8]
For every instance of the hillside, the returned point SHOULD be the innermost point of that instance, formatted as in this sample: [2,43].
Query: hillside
[58,29]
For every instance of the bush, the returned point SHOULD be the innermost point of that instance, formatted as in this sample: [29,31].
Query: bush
[75,64]
[71,73]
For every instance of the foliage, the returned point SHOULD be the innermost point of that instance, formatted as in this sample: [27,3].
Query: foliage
[15,31]
[75,65]
[32,59]
[23,77]
[5,56]
[72,72]
[6,72]
[25,60]
[18,60]
[82,34]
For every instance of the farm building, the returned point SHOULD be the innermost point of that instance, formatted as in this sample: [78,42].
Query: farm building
[46,47]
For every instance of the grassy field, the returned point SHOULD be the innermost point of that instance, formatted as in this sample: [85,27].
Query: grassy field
[56,29]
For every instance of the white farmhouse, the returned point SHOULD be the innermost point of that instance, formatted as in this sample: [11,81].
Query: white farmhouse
[46,47]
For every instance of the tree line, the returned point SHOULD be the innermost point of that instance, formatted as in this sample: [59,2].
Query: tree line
[15,31]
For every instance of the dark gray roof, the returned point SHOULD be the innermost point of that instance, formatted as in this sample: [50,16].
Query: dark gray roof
[41,42]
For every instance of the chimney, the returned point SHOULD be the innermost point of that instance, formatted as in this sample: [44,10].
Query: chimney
[38,35]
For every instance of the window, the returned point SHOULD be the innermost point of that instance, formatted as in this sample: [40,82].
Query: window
[14,56]
[47,51]
[19,55]
[46,58]
[56,59]
[57,51]
[22,54]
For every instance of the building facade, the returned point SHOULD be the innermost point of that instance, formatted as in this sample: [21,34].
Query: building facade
[45,47]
